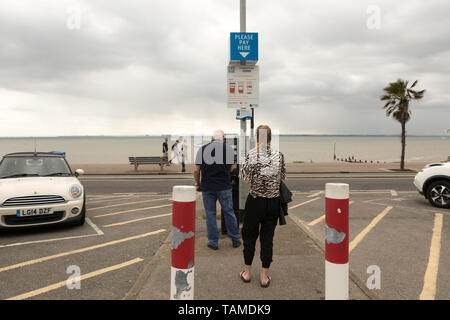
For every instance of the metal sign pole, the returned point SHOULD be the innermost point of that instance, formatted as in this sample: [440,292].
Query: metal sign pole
[243,16]
[243,29]
[243,188]
[252,131]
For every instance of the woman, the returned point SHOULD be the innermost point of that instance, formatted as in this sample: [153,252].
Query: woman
[263,169]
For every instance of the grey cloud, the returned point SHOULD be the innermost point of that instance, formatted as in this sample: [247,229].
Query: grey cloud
[322,70]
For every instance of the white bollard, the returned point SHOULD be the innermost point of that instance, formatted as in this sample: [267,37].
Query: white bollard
[337,241]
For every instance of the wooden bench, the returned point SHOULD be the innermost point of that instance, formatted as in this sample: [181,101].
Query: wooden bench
[136,161]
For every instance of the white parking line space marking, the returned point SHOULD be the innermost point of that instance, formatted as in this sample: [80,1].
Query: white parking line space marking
[123,196]
[136,220]
[46,240]
[132,210]
[385,202]
[141,193]
[362,191]
[127,203]
[390,177]
[64,254]
[82,277]
[370,192]
[102,196]
[109,198]
[132,180]
[97,230]
[430,278]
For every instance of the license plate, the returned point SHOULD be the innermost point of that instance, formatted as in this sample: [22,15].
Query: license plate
[33,212]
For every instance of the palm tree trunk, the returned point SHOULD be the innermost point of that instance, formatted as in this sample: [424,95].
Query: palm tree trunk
[402,160]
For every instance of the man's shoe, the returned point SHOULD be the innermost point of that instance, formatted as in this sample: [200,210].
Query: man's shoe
[213,247]
[236,243]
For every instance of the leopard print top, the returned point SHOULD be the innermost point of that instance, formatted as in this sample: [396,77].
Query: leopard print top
[264,170]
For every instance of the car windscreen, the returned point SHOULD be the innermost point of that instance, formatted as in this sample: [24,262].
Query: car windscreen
[33,166]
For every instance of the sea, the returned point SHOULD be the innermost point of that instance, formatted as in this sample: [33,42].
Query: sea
[296,148]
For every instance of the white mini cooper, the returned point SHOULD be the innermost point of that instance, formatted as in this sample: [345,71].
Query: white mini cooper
[39,188]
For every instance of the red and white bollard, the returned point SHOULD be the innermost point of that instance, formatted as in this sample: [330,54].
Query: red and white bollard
[183,243]
[336,241]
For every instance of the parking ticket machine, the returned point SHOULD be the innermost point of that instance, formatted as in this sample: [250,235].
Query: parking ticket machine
[233,141]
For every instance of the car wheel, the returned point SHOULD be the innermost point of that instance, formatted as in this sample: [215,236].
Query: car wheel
[82,218]
[438,194]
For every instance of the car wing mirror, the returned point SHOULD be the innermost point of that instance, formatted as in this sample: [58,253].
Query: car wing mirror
[79,172]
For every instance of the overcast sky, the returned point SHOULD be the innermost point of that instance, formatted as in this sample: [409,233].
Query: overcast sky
[151,67]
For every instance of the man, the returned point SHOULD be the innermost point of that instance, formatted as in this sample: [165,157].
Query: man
[176,152]
[214,163]
[184,154]
[165,148]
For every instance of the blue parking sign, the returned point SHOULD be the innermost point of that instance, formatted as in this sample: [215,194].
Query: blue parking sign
[244,46]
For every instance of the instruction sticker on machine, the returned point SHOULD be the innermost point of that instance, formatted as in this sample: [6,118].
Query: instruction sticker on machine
[243,86]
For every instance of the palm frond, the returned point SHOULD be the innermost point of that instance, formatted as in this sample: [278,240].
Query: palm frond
[397,96]
[418,94]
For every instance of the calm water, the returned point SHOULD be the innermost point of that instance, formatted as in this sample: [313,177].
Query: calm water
[295,148]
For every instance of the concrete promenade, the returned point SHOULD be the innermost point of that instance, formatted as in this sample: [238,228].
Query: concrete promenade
[324,167]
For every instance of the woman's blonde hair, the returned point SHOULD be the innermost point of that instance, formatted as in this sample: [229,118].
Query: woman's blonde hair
[263,136]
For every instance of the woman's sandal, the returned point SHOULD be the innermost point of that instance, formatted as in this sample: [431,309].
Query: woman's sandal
[267,284]
[242,277]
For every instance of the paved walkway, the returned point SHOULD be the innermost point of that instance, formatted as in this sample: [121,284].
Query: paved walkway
[297,270]
[325,167]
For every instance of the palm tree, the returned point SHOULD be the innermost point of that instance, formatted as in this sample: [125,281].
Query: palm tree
[397,96]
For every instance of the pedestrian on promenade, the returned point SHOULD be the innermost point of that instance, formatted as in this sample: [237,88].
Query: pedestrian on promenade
[175,152]
[184,153]
[165,147]
[263,169]
[214,163]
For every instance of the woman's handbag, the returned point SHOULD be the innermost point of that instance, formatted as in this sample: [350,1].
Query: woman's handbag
[285,198]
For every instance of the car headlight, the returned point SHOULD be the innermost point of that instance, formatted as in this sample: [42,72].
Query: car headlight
[75,191]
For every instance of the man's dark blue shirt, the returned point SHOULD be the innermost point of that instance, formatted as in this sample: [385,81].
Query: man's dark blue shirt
[215,160]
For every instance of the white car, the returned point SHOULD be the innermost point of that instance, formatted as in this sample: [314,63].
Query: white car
[39,188]
[433,181]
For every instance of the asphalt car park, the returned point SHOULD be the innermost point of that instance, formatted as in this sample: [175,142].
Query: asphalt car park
[398,232]
[108,251]
[395,230]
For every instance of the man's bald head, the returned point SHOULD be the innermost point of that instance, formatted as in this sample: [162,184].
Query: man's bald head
[218,135]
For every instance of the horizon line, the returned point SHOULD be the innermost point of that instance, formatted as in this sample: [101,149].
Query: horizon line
[168,135]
